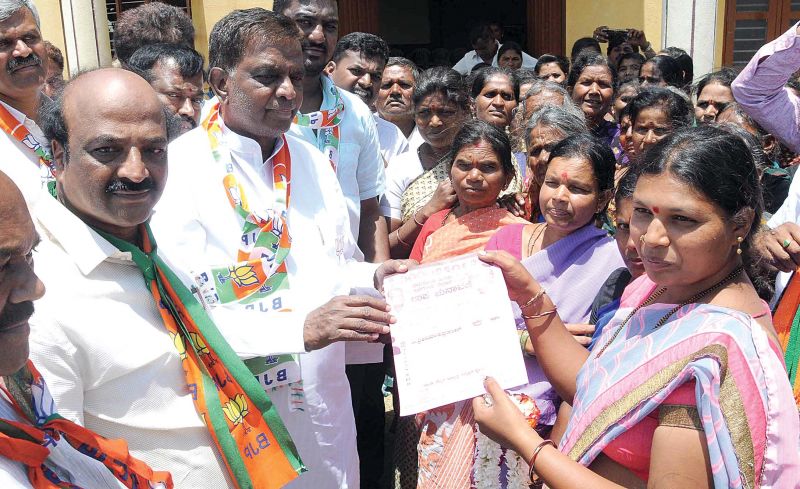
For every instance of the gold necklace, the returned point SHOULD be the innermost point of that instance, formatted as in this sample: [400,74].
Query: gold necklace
[672,311]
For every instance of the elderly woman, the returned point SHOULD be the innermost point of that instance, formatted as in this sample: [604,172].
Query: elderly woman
[416,182]
[546,128]
[494,93]
[481,168]
[686,388]
[591,84]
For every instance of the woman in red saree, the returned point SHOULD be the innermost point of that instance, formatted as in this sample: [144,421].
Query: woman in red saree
[480,168]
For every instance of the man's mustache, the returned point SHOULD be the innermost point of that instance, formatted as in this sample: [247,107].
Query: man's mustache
[17,63]
[15,313]
[128,186]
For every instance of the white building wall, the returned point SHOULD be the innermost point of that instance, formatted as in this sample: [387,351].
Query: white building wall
[691,25]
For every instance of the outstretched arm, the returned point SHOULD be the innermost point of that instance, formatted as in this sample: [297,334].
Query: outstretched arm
[560,356]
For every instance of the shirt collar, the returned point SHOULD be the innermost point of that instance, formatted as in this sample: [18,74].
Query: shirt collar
[328,101]
[85,247]
[244,146]
[17,114]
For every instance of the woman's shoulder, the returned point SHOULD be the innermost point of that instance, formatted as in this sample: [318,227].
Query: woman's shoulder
[508,238]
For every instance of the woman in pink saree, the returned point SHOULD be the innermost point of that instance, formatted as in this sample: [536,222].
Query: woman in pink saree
[687,388]
[480,168]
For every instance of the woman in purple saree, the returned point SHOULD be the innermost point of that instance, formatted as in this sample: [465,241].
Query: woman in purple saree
[687,388]
[567,254]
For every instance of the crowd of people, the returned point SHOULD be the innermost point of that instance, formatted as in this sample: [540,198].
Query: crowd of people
[192,255]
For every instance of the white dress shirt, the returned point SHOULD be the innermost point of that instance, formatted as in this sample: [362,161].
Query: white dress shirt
[402,170]
[100,343]
[20,163]
[415,139]
[360,167]
[392,140]
[196,226]
[465,64]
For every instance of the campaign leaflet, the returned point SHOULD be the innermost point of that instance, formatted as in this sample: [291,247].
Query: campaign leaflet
[454,327]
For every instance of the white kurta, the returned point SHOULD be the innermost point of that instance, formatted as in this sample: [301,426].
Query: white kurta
[360,167]
[100,343]
[20,163]
[197,228]
[392,140]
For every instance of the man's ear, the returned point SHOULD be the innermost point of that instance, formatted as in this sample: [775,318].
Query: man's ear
[59,156]
[218,80]
[329,68]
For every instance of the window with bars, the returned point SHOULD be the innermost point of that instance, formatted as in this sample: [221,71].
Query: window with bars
[749,24]
[116,7]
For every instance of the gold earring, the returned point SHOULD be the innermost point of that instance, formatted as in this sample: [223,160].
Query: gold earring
[739,247]
[641,239]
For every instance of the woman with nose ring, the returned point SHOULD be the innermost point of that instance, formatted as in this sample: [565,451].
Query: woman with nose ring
[686,386]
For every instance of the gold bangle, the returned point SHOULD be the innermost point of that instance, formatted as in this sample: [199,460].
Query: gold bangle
[542,314]
[533,299]
[531,471]
[414,217]
[397,233]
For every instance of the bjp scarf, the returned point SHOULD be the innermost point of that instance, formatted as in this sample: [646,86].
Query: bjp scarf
[14,128]
[326,123]
[786,319]
[26,442]
[253,441]
[264,245]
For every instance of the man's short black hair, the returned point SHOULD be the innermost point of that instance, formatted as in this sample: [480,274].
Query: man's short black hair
[281,5]
[189,61]
[369,46]
[148,24]
[405,63]
[480,32]
[231,35]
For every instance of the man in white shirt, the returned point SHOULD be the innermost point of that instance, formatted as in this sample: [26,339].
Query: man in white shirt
[98,337]
[25,399]
[484,50]
[239,156]
[339,124]
[357,66]
[22,74]
[395,103]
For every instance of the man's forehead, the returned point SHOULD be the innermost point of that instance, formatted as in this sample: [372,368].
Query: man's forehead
[265,56]
[315,8]
[355,58]
[20,21]
[398,71]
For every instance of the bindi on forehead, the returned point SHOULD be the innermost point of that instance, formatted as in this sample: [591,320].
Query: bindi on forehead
[564,175]
[656,210]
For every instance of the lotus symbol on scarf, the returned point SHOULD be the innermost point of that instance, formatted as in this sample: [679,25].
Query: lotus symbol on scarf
[177,340]
[243,275]
[236,409]
[199,344]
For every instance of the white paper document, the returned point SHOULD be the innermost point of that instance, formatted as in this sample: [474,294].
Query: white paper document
[454,327]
